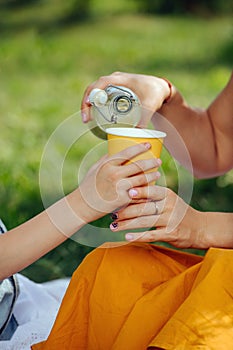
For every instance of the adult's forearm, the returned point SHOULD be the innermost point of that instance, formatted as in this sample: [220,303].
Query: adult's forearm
[220,113]
[207,134]
[219,229]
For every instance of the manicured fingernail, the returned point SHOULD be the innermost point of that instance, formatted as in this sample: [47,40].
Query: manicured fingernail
[114,226]
[84,117]
[133,193]
[87,100]
[157,174]
[159,162]
[147,145]
[128,237]
[114,216]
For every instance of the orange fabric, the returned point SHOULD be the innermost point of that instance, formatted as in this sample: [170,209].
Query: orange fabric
[139,296]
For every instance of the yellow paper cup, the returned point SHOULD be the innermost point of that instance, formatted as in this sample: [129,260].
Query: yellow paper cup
[121,138]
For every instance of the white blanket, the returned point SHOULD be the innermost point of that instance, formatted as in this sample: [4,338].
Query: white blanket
[35,311]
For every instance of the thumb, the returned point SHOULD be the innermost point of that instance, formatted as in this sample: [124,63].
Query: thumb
[145,118]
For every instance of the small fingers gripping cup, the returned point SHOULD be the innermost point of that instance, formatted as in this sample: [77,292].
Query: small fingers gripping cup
[121,138]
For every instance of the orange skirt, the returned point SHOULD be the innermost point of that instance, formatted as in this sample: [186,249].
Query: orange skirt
[140,296]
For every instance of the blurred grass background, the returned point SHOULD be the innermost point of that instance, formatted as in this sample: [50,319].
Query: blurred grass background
[49,53]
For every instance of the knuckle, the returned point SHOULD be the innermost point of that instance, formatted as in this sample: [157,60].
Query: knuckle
[122,184]
[163,207]
[137,168]
[144,164]
[150,176]
[106,168]
[136,210]
[127,153]
[114,176]
[116,73]
[152,162]
[125,214]
[103,78]
[142,179]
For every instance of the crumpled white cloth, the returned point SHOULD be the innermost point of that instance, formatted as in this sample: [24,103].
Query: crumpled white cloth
[35,311]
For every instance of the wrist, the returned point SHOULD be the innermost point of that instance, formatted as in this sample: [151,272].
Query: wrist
[171,96]
[84,210]
[169,90]
[202,230]
[64,215]
[219,229]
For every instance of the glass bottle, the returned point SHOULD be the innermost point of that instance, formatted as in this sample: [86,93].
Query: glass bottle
[115,106]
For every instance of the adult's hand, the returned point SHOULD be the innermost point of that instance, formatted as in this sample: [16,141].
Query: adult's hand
[158,207]
[152,92]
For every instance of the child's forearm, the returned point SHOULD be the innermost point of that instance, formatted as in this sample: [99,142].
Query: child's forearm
[26,243]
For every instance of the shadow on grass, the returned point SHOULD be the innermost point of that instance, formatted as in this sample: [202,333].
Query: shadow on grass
[11,21]
[223,57]
[226,52]
[198,64]
[40,25]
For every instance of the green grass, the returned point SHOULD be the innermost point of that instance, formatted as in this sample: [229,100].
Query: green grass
[43,73]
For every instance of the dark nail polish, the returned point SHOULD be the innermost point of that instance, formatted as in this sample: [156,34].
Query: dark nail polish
[114,216]
[114,224]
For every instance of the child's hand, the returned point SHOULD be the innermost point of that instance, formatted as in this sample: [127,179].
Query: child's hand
[106,186]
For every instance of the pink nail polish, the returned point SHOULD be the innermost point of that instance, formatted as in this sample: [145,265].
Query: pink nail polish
[133,193]
[159,162]
[84,117]
[147,145]
[128,237]
[87,100]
